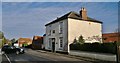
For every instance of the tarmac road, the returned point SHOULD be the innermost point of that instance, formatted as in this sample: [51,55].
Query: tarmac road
[31,56]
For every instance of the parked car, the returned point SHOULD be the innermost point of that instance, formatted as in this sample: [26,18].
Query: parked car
[12,49]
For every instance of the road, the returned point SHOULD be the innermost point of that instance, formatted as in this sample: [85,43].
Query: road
[33,56]
[0,56]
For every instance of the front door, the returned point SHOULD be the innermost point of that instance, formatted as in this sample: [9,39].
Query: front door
[53,44]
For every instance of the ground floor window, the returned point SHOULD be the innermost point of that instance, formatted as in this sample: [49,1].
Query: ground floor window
[61,42]
[50,42]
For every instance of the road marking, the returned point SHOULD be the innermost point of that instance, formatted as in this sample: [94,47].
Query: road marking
[7,58]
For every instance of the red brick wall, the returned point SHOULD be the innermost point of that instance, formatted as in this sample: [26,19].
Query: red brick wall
[110,37]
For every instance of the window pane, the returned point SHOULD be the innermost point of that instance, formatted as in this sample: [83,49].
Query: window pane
[49,42]
[60,27]
[61,42]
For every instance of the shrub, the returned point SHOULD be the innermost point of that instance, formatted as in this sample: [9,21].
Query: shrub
[81,40]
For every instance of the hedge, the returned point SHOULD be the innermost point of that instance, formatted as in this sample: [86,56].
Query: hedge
[118,43]
[95,47]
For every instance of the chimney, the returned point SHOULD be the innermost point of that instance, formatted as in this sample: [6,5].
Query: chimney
[83,13]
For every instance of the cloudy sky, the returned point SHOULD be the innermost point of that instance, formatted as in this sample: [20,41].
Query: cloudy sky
[27,19]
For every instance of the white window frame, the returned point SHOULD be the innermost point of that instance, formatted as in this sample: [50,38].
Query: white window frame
[53,31]
[61,42]
[60,27]
[49,43]
[49,31]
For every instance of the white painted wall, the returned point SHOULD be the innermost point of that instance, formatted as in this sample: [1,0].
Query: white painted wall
[84,28]
[56,35]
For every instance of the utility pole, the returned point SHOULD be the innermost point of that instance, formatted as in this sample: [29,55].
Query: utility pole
[118,49]
[117,54]
[118,44]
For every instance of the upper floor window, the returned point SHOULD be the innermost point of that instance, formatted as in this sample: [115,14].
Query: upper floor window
[61,27]
[53,31]
[49,31]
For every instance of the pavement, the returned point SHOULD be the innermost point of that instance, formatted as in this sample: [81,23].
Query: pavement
[100,56]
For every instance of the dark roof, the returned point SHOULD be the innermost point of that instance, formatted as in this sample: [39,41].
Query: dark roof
[73,15]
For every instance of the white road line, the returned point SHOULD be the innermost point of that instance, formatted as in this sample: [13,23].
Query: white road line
[7,58]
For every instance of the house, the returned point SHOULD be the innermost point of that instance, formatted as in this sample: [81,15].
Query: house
[37,42]
[24,42]
[110,37]
[61,32]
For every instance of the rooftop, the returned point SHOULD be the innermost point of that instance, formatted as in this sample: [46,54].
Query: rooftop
[73,15]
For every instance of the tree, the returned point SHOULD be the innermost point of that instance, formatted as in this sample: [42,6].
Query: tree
[4,41]
[75,41]
[13,40]
[1,35]
[81,40]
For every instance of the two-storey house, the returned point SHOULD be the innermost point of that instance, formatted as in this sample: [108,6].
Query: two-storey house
[61,32]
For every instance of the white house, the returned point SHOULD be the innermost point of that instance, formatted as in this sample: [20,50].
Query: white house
[61,32]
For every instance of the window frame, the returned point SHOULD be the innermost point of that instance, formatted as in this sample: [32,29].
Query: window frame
[61,42]
[60,27]
[49,43]
[53,31]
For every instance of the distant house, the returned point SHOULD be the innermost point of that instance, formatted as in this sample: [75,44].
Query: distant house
[110,37]
[24,42]
[60,33]
[37,42]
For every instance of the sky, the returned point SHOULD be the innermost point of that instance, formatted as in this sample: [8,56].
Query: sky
[0,16]
[60,0]
[26,19]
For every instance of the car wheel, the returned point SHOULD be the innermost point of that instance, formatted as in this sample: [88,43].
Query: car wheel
[23,52]
[17,52]
[3,52]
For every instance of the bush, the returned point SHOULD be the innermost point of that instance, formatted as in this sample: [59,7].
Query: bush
[118,43]
[95,47]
